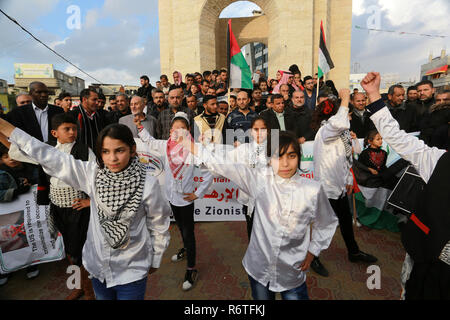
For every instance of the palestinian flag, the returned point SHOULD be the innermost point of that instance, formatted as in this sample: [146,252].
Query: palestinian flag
[240,75]
[325,62]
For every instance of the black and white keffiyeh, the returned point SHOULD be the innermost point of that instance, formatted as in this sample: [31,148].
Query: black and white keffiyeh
[119,196]
[347,140]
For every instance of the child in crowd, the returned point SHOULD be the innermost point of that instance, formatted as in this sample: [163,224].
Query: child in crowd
[129,222]
[292,223]
[69,208]
[15,179]
[374,159]
[333,158]
[180,190]
[253,155]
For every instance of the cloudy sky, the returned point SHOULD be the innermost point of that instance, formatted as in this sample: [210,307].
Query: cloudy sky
[119,39]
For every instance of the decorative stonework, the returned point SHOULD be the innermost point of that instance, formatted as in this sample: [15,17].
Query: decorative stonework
[192,37]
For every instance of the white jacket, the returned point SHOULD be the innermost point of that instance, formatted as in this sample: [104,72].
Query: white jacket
[331,166]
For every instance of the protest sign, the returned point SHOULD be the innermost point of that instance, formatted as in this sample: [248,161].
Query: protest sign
[24,236]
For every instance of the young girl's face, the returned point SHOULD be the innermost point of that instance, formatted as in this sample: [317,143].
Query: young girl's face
[259,131]
[377,141]
[285,166]
[7,161]
[178,129]
[116,154]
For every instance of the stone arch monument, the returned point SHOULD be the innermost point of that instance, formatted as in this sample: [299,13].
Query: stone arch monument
[193,38]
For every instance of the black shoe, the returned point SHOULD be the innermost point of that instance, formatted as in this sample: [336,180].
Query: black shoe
[179,256]
[32,272]
[362,257]
[318,268]
[189,279]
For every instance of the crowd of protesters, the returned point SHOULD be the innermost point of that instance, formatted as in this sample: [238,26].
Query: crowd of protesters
[100,132]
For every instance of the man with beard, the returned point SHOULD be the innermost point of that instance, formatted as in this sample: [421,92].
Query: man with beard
[175,105]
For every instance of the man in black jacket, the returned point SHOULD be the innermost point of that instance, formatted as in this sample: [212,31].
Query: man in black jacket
[406,117]
[360,123]
[90,122]
[277,118]
[146,90]
[302,117]
[35,118]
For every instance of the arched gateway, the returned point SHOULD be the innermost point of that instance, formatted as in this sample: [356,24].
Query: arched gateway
[193,38]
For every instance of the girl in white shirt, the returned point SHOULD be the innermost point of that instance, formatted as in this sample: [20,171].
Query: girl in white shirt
[333,158]
[293,220]
[129,222]
[180,191]
[254,155]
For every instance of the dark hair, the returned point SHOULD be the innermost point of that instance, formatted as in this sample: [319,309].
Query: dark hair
[101,96]
[145,78]
[190,95]
[206,73]
[159,91]
[114,131]
[307,78]
[425,82]
[190,75]
[272,97]
[3,150]
[233,97]
[370,136]
[411,89]
[204,80]
[294,69]
[85,93]
[393,87]
[63,95]
[286,139]
[112,98]
[223,70]
[207,98]
[163,76]
[216,72]
[174,87]
[61,118]
[330,84]
[323,111]
[259,118]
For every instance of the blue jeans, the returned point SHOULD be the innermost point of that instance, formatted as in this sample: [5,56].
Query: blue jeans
[259,292]
[130,291]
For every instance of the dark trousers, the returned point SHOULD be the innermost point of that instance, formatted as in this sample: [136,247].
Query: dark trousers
[342,210]
[428,281]
[184,217]
[249,220]
[73,226]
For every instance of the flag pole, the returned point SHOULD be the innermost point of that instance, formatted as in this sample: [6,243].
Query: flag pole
[228,61]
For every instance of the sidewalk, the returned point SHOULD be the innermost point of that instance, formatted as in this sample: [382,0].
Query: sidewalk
[220,249]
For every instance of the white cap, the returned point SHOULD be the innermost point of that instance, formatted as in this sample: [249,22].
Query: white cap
[181,115]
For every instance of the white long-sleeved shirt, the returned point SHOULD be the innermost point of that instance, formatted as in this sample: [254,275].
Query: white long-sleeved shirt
[149,228]
[422,157]
[175,189]
[252,154]
[281,234]
[331,166]
[16,154]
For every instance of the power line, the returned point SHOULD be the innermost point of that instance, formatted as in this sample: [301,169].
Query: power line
[403,32]
[59,55]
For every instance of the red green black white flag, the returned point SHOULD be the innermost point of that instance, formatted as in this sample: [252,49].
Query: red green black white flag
[240,75]
[325,62]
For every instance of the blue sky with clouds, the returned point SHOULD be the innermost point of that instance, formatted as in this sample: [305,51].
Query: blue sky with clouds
[119,40]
